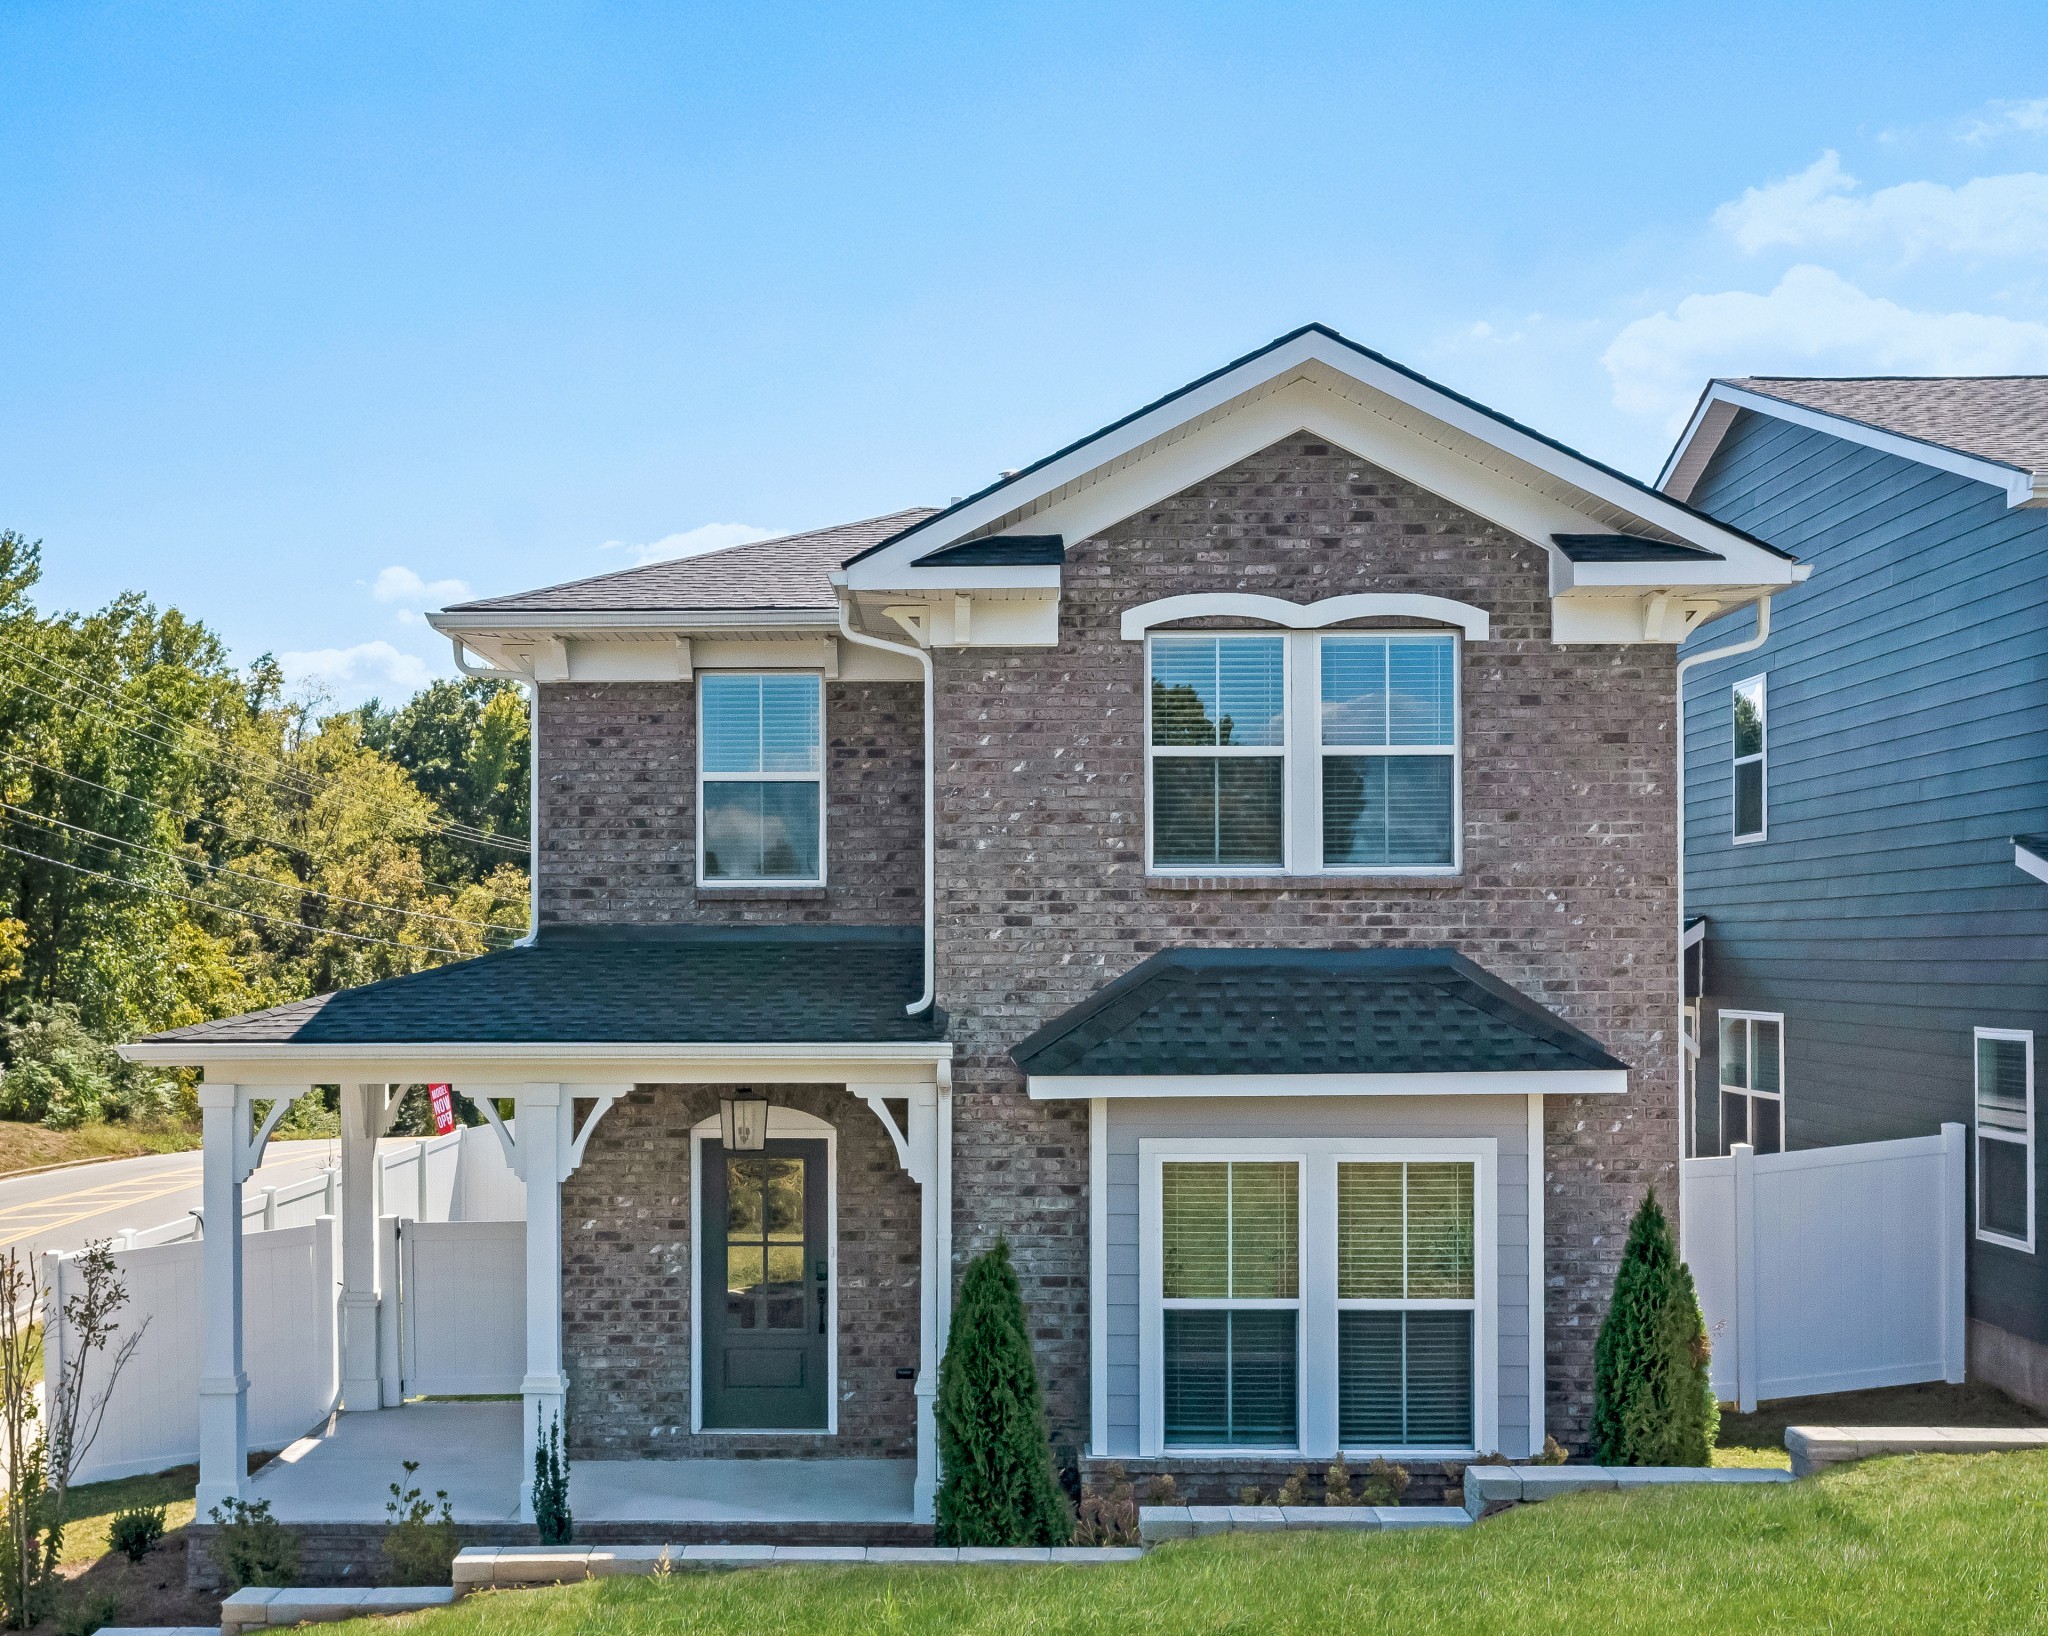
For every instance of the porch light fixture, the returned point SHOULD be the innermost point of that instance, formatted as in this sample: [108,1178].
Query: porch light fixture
[743,1121]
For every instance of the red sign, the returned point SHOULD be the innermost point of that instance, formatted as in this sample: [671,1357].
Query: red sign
[443,1099]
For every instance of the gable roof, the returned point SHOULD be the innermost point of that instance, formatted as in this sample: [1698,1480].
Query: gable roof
[1201,1012]
[1993,428]
[791,571]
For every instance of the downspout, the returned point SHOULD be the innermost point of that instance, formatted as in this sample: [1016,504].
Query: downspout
[495,673]
[924,660]
[1685,1131]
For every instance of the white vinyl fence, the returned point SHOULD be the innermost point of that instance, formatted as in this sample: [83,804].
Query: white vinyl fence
[472,1266]
[1830,1269]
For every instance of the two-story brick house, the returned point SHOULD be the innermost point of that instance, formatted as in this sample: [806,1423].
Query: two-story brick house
[1233,859]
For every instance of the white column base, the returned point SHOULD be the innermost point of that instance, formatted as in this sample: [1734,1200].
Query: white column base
[223,1441]
[361,1387]
[924,1494]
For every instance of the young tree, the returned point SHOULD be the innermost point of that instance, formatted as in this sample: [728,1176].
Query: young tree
[997,1485]
[1653,1401]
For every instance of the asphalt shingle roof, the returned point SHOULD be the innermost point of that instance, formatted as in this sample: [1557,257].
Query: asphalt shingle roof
[1308,1011]
[1995,417]
[657,985]
[792,571]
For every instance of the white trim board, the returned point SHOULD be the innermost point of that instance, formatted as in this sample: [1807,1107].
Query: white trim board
[2026,858]
[1716,411]
[1527,1082]
[1306,616]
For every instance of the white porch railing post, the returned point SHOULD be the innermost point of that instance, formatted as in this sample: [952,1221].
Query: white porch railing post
[223,1387]
[541,1149]
[1955,1235]
[1748,1268]
[361,1114]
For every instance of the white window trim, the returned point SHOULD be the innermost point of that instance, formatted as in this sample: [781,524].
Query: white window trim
[1301,754]
[770,882]
[784,1124]
[1762,758]
[1317,1300]
[1749,1069]
[1978,1134]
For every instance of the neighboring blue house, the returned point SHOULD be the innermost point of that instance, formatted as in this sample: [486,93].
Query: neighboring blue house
[1867,794]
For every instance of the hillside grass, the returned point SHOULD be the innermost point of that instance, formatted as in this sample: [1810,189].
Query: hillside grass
[29,1147]
[1922,1543]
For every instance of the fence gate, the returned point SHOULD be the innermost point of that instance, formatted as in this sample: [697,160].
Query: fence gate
[1830,1269]
[462,1307]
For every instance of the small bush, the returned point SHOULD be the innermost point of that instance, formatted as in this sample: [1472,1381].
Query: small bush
[1653,1401]
[1337,1488]
[134,1532]
[88,1614]
[1383,1484]
[1250,1495]
[1108,1516]
[1295,1490]
[551,1514]
[1554,1453]
[251,1547]
[1164,1491]
[419,1545]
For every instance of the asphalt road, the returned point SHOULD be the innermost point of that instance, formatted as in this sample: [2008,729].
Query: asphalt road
[64,1209]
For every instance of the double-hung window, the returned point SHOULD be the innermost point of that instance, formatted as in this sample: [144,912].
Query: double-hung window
[2005,1137]
[1753,1080]
[1307,751]
[1751,776]
[761,785]
[1231,1288]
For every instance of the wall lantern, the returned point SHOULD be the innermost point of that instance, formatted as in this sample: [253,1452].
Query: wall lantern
[743,1121]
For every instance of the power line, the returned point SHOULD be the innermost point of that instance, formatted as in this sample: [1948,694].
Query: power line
[292,782]
[214,823]
[297,888]
[225,909]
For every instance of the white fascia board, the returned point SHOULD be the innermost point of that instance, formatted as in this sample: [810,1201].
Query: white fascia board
[535,626]
[1771,573]
[1568,1082]
[1716,413]
[1028,576]
[2031,861]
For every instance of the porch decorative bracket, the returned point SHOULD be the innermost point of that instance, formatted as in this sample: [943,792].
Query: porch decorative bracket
[489,1105]
[878,1101]
[249,1152]
[581,1140]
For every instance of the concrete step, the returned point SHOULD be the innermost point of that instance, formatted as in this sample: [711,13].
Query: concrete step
[1160,1522]
[298,1605]
[1491,1487]
[1814,1448]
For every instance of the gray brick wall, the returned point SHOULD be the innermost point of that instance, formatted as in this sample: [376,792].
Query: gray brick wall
[626,1284]
[1567,889]
[618,809]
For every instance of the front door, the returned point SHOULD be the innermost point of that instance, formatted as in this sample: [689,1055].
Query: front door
[767,1288]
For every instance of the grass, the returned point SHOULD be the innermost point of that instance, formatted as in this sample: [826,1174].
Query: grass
[1926,1543]
[28,1147]
[89,1509]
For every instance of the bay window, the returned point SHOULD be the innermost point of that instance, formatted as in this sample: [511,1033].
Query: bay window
[761,786]
[1311,751]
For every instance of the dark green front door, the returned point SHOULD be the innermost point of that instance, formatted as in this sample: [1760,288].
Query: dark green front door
[767,1294]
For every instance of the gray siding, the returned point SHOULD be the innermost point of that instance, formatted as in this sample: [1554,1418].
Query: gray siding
[1503,1117]
[1908,733]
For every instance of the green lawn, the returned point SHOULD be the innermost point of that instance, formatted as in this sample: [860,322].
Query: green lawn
[1929,1543]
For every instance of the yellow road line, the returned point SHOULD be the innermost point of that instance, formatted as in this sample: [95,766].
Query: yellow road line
[98,1208]
[97,1201]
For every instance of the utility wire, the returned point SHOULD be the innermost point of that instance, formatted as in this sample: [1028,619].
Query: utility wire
[297,888]
[222,908]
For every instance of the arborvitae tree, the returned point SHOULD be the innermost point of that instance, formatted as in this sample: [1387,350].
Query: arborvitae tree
[1653,1401]
[997,1485]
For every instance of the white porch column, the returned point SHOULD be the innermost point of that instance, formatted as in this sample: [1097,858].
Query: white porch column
[541,1112]
[922,1139]
[366,1111]
[223,1388]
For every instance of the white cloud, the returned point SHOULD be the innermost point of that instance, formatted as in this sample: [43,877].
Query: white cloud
[1814,322]
[345,677]
[2007,119]
[693,542]
[409,591]
[1821,205]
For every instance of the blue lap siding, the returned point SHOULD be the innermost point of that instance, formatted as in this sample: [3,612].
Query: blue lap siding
[1908,742]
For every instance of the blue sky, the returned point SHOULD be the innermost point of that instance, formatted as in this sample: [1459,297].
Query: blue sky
[316,315]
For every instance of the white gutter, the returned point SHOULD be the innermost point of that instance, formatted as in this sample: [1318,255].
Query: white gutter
[1763,631]
[498,673]
[924,659]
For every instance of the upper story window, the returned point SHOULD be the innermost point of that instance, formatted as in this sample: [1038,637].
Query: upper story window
[1305,751]
[1751,778]
[2005,1136]
[761,786]
[1753,1080]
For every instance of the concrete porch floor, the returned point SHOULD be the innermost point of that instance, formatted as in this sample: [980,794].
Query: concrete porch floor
[344,1472]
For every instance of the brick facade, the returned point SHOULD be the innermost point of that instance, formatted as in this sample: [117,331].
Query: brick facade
[626,1284]
[618,809]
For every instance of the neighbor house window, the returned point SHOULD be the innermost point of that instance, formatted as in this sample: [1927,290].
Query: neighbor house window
[1751,778]
[761,785]
[1753,1080]
[1406,1302]
[2005,1137]
[1303,751]
[1231,1288]
[1389,751]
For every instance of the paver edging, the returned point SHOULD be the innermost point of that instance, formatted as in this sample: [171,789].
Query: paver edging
[1494,1488]
[1815,1448]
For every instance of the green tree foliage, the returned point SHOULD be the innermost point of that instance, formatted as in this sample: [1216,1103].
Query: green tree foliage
[179,841]
[1653,1403]
[997,1486]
